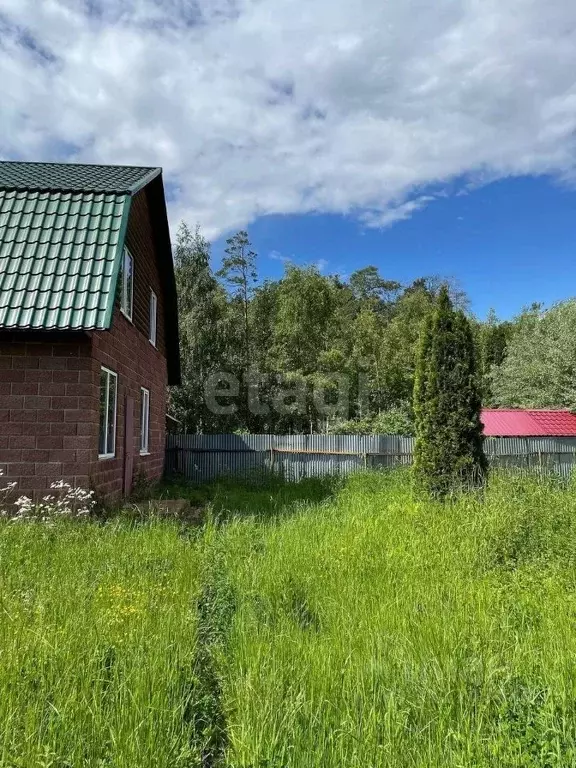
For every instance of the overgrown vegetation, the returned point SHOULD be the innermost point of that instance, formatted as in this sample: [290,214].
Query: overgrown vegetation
[303,626]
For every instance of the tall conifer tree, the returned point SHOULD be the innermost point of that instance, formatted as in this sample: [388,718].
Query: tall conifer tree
[449,452]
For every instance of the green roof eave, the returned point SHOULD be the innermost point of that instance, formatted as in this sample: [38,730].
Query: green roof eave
[137,186]
[117,263]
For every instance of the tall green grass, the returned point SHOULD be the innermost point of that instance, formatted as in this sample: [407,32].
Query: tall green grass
[97,641]
[379,630]
[313,625]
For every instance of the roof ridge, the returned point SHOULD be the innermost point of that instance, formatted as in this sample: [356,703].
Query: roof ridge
[67,165]
[550,410]
[529,410]
[95,178]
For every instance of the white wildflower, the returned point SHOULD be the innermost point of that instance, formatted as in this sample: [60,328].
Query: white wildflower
[67,502]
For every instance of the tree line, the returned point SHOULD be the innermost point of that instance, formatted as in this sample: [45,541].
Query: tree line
[321,353]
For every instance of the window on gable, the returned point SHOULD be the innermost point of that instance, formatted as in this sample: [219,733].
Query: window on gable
[153,317]
[145,421]
[127,284]
[108,399]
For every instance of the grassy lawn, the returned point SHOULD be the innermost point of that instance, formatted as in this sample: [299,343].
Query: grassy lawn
[318,624]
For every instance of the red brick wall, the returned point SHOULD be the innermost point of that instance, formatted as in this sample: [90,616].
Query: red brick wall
[49,389]
[48,403]
[126,350]
[130,355]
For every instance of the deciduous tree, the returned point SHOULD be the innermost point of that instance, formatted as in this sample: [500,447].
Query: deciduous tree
[539,370]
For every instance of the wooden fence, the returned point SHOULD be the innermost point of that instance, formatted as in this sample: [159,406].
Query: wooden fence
[205,457]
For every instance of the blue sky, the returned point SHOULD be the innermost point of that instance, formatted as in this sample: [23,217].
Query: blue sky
[509,243]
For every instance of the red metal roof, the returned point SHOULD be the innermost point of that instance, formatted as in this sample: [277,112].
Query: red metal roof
[528,423]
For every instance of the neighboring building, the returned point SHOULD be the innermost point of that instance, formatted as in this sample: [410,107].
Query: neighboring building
[528,423]
[88,325]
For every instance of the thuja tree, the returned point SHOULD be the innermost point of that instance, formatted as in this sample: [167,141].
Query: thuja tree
[449,453]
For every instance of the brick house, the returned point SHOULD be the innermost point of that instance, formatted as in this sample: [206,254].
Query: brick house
[88,325]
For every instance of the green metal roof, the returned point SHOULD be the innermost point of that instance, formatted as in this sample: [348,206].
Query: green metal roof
[67,177]
[62,230]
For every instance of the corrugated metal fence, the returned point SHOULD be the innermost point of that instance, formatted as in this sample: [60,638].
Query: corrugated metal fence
[205,457]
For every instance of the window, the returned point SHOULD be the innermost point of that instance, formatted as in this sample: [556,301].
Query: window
[153,313]
[108,398]
[127,284]
[145,421]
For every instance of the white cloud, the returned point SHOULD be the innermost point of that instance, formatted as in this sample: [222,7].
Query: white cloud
[288,106]
[277,256]
[394,213]
[320,264]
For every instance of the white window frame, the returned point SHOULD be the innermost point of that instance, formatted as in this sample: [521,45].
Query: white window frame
[153,321]
[127,309]
[108,454]
[144,421]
